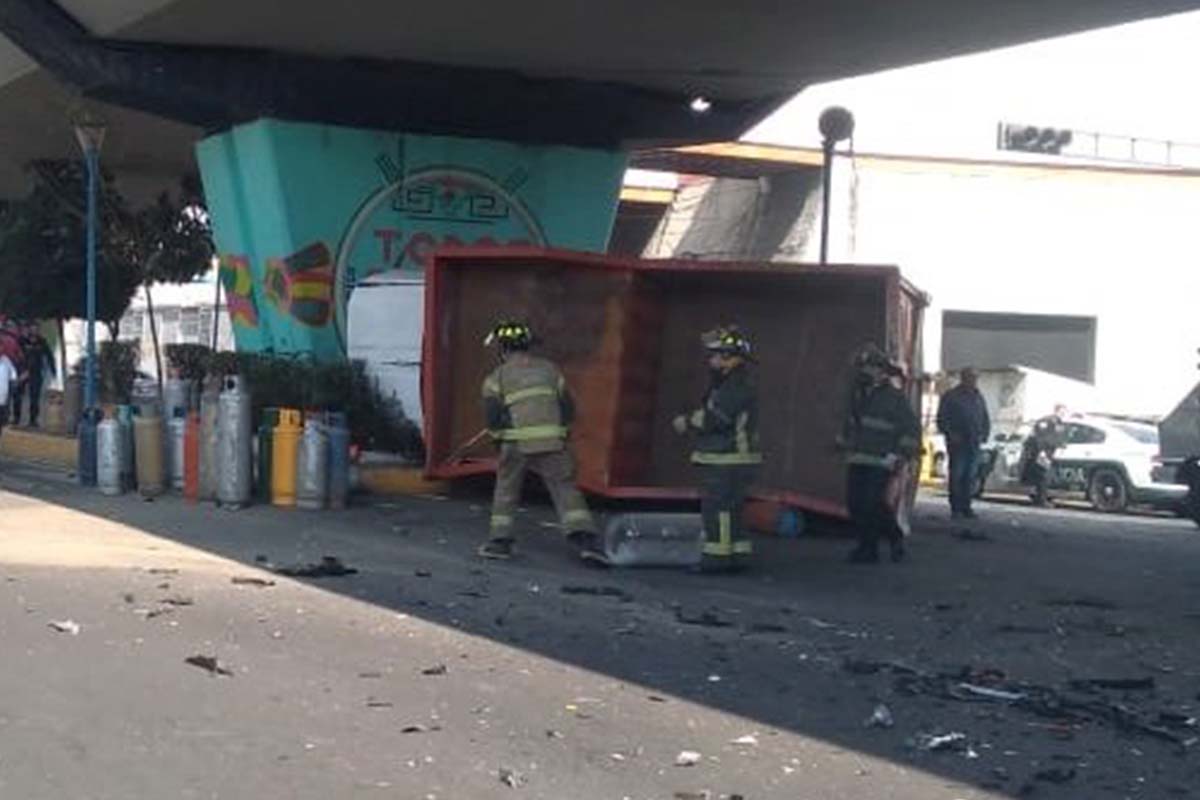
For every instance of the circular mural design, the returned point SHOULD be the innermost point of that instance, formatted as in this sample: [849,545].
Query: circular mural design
[399,226]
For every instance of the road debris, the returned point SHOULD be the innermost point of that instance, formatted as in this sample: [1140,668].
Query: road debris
[936,742]
[65,626]
[414,729]
[328,567]
[249,581]
[705,795]
[511,779]
[687,758]
[765,627]
[968,535]
[177,601]
[437,669]
[989,694]
[1055,775]
[422,573]
[1083,602]
[374,675]
[209,664]
[881,717]
[373,703]
[749,740]
[707,619]
[1126,684]
[162,571]
[553,734]
[598,591]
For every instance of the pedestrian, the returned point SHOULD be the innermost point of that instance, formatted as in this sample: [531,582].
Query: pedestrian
[529,411]
[880,434]
[963,419]
[39,362]
[8,382]
[726,451]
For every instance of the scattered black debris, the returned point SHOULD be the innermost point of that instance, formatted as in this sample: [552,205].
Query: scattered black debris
[968,535]
[414,729]
[178,601]
[161,611]
[707,619]
[328,567]
[246,581]
[553,734]
[1055,775]
[261,559]
[1177,720]
[1125,684]
[162,571]
[599,591]
[1009,627]
[704,795]
[653,698]
[373,703]
[65,626]
[1083,602]
[423,573]
[437,669]
[475,593]
[375,675]
[511,779]
[209,664]
[128,597]
[765,627]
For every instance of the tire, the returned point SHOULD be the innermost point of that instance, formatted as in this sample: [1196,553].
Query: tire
[1108,491]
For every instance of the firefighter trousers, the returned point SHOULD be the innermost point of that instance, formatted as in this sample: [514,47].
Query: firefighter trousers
[557,471]
[722,496]
[866,500]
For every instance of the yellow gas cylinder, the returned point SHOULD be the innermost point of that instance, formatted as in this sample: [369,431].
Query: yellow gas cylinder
[285,444]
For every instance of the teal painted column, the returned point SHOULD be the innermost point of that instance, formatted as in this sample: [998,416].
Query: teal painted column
[303,212]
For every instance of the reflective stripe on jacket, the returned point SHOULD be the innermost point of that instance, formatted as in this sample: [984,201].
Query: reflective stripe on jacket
[881,428]
[526,401]
[727,424]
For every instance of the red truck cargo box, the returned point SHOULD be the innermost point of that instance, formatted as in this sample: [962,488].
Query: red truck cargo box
[626,333]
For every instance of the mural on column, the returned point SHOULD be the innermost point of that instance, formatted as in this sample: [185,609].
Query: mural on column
[303,212]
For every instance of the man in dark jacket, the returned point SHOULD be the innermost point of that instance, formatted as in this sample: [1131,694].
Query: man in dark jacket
[726,448]
[963,419]
[881,433]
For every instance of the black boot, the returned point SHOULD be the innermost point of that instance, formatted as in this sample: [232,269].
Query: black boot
[589,547]
[898,551]
[497,549]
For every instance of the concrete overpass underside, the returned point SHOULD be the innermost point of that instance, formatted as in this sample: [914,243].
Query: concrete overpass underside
[619,74]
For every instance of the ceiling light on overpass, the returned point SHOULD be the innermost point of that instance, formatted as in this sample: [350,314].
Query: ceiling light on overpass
[700,104]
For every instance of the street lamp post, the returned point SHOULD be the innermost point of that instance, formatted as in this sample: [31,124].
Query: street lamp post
[836,124]
[89,131]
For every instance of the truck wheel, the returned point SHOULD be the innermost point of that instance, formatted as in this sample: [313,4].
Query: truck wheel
[1107,491]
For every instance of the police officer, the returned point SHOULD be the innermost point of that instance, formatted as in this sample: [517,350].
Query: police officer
[1037,454]
[529,411]
[881,432]
[725,428]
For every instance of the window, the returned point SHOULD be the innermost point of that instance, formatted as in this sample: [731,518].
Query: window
[1144,434]
[1084,434]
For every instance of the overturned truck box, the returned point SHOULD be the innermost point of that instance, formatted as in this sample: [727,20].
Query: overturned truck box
[626,333]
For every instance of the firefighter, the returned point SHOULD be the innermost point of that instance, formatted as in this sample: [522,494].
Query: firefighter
[880,434]
[726,451]
[529,411]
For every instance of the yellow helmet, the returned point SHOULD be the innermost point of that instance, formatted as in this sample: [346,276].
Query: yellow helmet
[510,335]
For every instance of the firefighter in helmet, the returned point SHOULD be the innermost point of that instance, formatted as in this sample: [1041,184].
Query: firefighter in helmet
[726,450]
[880,434]
[529,411]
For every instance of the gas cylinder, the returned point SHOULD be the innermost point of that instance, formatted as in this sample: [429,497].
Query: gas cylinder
[339,460]
[148,440]
[191,457]
[312,470]
[234,435]
[285,441]
[145,397]
[654,540]
[209,464]
[128,465]
[176,427]
[175,398]
[108,457]
[266,434]
[87,460]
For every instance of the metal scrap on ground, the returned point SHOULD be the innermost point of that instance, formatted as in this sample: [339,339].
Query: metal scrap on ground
[209,664]
[327,567]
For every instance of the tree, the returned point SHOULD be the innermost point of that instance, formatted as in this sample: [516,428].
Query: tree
[43,272]
[42,240]
[171,241]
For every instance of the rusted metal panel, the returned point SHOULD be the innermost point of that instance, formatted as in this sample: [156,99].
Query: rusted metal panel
[626,333]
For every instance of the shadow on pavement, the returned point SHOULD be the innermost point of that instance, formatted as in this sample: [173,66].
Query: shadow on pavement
[804,643]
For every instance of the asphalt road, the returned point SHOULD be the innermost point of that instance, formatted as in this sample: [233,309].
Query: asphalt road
[432,674]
